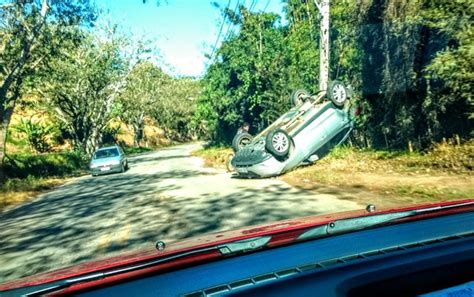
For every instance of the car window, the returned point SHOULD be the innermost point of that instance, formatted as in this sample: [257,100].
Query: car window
[107,153]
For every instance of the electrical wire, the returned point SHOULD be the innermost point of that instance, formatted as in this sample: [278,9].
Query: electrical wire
[266,6]
[231,24]
[220,31]
[252,5]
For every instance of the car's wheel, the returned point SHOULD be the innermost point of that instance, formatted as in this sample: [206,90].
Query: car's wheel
[240,140]
[299,96]
[122,169]
[337,93]
[278,143]
[228,163]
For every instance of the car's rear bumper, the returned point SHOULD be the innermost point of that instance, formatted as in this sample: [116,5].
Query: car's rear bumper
[106,169]
[267,168]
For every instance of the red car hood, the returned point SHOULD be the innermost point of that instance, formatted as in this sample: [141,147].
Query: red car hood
[282,232]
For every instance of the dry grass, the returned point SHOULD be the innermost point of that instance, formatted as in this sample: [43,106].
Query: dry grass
[443,173]
[16,191]
[214,156]
[392,178]
[442,158]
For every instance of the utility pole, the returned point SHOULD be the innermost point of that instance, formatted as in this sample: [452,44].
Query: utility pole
[323,7]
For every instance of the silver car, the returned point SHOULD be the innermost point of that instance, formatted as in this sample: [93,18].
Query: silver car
[108,160]
[304,134]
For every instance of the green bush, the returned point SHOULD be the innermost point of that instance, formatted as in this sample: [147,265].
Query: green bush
[44,165]
[37,134]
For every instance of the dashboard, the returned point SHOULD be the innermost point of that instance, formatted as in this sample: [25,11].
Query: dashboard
[429,257]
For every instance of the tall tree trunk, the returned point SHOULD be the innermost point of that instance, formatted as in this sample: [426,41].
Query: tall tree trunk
[138,128]
[324,44]
[92,142]
[138,135]
[10,87]
[6,112]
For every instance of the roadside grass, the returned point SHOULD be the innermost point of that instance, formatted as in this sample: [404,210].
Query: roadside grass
[15,191]
[214,156]
[443,157]
[445,172]
[28,175]
[26,165]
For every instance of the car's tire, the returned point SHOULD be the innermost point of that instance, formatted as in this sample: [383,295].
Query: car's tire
[278,143]
[228,163]
[299,96]
[337,93]
[122,168]
[240,140]
[126,166]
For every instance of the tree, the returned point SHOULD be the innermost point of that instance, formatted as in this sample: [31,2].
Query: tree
[449,104]
[144,86]
[301,46]
[175,106]
[247,82]
[415,70]
[29,32]
[82,87]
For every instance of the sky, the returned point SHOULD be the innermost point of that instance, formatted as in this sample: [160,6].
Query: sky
[184,30]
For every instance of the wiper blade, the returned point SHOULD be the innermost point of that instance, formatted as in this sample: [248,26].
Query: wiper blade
[360,223]
[227,249]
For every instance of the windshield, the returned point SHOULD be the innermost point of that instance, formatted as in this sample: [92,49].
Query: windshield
[106,153]
[220,115]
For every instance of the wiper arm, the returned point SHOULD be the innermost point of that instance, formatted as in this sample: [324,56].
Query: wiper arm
[360,223]
[227,249]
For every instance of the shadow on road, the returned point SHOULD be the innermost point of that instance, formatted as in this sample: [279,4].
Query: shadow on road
[146,159]
[95,217]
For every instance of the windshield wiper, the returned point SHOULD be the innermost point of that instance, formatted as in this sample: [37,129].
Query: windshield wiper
[360,223]
[227,249]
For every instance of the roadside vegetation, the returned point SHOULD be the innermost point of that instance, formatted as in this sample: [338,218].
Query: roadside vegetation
[70,82]
[392,177]
[408,62]
[214,156]
[19,190]
[410,66]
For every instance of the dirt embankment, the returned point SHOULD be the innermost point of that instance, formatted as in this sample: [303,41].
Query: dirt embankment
[381,177]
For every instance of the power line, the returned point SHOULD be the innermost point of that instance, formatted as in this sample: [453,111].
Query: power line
[252,5]
[266,6]
[231,24]
[220,30]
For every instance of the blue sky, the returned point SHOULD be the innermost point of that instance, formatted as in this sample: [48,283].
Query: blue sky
[184,30]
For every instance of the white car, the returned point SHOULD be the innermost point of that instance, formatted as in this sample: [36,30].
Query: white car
[304,134]
[108,160]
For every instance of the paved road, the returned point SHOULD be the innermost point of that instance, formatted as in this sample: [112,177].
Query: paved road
[165,195]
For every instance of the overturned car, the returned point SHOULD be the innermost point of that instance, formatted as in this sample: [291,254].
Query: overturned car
[304,134]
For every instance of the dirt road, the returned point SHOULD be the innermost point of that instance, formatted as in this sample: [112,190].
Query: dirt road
[166,195]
